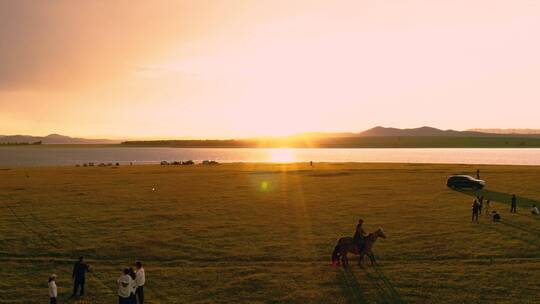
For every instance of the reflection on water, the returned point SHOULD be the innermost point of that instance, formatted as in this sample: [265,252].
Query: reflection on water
[47,155]
[282,155]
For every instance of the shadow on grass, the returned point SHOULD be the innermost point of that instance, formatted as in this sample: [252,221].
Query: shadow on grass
[385,289]
[522,227]
[501,197]
[348,283]
[506,198]
[496,227]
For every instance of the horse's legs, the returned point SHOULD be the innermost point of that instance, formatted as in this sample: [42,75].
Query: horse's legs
[360,258]
[372,258]
[345,260]
[336,255]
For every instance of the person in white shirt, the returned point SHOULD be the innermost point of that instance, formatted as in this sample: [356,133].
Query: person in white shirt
[53,292]
[125,287]
[534,210]
[140,279]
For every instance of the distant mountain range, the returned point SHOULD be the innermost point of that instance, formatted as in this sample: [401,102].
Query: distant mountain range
[315,136]
[422,131]
[52,139]
[426,131]
[508,131]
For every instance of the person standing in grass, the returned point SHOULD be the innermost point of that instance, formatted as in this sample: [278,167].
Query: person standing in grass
[132,297]
[79,276]
[488,205]
[125,287]
[53,292]
[140,279]
[475,209]
[477,173]
[480,204]
[513,205]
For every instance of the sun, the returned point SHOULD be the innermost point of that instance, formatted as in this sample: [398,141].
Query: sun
[282,155]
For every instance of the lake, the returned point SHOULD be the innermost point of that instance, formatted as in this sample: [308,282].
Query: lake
[52,156]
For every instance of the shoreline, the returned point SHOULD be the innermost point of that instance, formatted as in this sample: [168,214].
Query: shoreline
[71,156]
[252,164]
[97,146]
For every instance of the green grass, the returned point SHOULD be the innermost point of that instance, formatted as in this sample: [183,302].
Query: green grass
[212,234]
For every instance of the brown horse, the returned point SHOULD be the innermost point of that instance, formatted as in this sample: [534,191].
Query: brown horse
[346,245]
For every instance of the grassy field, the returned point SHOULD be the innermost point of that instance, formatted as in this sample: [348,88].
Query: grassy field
[263,233]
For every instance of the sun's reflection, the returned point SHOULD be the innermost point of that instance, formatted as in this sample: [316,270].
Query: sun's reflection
[282,155]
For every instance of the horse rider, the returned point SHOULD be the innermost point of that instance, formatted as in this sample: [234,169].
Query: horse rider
[359,235]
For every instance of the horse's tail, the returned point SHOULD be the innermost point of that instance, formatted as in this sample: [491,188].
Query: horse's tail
[335,255]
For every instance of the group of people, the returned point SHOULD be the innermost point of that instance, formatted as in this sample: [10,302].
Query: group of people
[130,284]
[478,205]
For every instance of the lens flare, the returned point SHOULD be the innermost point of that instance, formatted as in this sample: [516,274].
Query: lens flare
[265,186]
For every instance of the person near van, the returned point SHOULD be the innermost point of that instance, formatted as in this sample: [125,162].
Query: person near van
[513,206]
[475,210]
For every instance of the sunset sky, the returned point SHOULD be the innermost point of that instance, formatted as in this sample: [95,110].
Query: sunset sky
[249,68]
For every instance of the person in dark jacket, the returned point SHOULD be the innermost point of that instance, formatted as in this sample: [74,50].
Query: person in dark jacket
[480,204]
[513,206]
[475,209]
[79,272]
[359,235]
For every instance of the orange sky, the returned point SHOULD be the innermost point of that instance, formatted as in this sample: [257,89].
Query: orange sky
[248,68]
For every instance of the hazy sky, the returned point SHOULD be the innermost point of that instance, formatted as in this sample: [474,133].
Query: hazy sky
[243,68]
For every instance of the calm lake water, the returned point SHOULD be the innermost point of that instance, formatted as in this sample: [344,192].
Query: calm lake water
[52,156]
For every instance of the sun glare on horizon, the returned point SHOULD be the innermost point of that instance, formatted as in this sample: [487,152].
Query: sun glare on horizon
[282,155]
[242,69]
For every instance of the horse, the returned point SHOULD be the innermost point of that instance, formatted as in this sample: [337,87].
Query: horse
[346,245]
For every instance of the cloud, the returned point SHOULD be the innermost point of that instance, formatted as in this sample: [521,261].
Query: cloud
[68,44]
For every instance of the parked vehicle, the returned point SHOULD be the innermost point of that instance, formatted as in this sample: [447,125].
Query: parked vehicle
[465,181]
